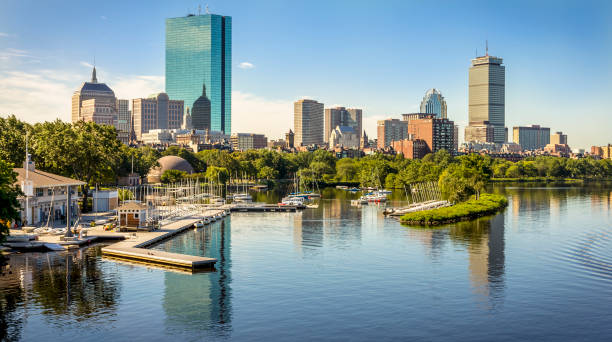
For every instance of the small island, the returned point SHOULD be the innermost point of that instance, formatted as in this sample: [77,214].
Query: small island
[485,204]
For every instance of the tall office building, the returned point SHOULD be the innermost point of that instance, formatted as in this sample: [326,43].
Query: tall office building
[124,121]
[434,103]
[308,122]
[199,53]
[156,112]
[532,138]
[391,130]
[487,94]
[340,116]
[95,102]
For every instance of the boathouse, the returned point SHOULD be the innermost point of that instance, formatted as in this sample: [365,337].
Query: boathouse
[132,215]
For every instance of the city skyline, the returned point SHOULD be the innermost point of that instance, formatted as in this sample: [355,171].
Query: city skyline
[268,79]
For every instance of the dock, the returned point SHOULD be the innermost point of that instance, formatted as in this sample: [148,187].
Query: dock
[135,248]
[258,207]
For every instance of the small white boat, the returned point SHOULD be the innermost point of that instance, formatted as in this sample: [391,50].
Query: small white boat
[198,224]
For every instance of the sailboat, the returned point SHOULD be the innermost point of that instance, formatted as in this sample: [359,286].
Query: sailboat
[244,196]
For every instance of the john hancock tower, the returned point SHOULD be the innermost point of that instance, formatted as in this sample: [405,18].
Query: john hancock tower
[199,52]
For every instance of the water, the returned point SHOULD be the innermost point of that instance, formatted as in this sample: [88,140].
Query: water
[541,270]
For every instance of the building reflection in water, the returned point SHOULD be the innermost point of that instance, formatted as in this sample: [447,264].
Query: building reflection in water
[485,242]
[335,223]
[201,303]
[68,287]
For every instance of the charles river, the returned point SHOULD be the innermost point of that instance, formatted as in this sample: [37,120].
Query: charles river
[539,270]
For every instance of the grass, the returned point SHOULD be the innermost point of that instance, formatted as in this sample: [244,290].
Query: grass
[487,204]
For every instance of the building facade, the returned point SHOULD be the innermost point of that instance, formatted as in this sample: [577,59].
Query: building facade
[156,112]
[391,130]
[199,53]
[558,138]
[531,138]
[411,149]
[433,103]
[308,122]
[344,136]
[248,141]
[437,133]
[482,132]
[124,121]
[95,102]
[341,116]
[487,94]
[200,112]
[290,139]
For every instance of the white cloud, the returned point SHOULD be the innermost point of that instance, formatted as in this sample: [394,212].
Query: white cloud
[246,65]
[254,114]
[131,87]
[4,34]
[103,17]
[85,64]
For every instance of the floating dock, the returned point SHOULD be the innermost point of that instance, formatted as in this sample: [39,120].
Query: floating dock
[135,249]
[263,207]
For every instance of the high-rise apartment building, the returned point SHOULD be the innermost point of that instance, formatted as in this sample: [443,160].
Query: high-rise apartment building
[391,130]
[487,94]
[532,138]
[156,112]
[199,53]
[434,103]
[341,116]
[308,122]
[558,138]
[95,102]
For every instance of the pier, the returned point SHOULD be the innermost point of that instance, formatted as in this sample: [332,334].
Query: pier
[259,207]
[135,248]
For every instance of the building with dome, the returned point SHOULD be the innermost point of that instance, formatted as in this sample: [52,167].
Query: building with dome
[168,163]
[200,112]
[96,102]
[434,103]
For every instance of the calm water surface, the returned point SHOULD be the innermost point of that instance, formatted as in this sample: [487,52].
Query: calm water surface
[541,270]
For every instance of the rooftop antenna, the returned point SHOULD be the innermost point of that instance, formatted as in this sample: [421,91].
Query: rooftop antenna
[487,47]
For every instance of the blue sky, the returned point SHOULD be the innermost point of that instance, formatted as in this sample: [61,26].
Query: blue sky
[379,56]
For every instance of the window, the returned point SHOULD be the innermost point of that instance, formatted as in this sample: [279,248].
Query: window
[135,215]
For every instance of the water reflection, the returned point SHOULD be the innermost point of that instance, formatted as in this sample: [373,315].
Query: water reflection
[65,287]
[200,303]
[485,243]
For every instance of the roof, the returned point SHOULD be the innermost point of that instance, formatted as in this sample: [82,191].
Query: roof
[100,87]
[132,206]
[45,179]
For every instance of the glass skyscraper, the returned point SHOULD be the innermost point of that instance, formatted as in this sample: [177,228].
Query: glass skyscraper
[434,103]
[199,52]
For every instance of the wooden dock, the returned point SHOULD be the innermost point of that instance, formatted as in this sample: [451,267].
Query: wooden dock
[263,208]
[135,249]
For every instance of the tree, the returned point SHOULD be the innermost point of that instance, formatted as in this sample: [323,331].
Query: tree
[172,176]
[217,174]
[12,139]
[267,173]
[83,150]
[346,170]
[9,205]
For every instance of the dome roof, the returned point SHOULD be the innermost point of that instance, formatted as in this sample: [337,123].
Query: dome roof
[168,163]
[96,87]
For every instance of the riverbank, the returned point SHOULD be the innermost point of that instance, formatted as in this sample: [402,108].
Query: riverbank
[487,204]
[554,180]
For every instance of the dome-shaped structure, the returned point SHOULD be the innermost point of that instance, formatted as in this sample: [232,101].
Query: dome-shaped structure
[168,163]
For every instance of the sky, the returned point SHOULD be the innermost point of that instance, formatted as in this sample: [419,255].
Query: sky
[379,56]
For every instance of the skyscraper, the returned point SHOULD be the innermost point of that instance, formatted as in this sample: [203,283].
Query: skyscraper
[391,130]
[308,122]
[124,121]
[199,53]
[434,103]
[340,116]
[95,102]
[487,94]
[156,112]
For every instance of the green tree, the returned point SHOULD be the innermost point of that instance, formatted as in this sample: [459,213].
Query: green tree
[173,176]
[12,139]
[268,173]
[217,174]
[346,170]
[84,150]
[9,205]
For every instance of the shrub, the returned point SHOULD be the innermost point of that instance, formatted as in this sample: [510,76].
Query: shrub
[486,204]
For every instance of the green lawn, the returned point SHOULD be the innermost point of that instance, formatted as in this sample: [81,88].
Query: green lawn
[486,204]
